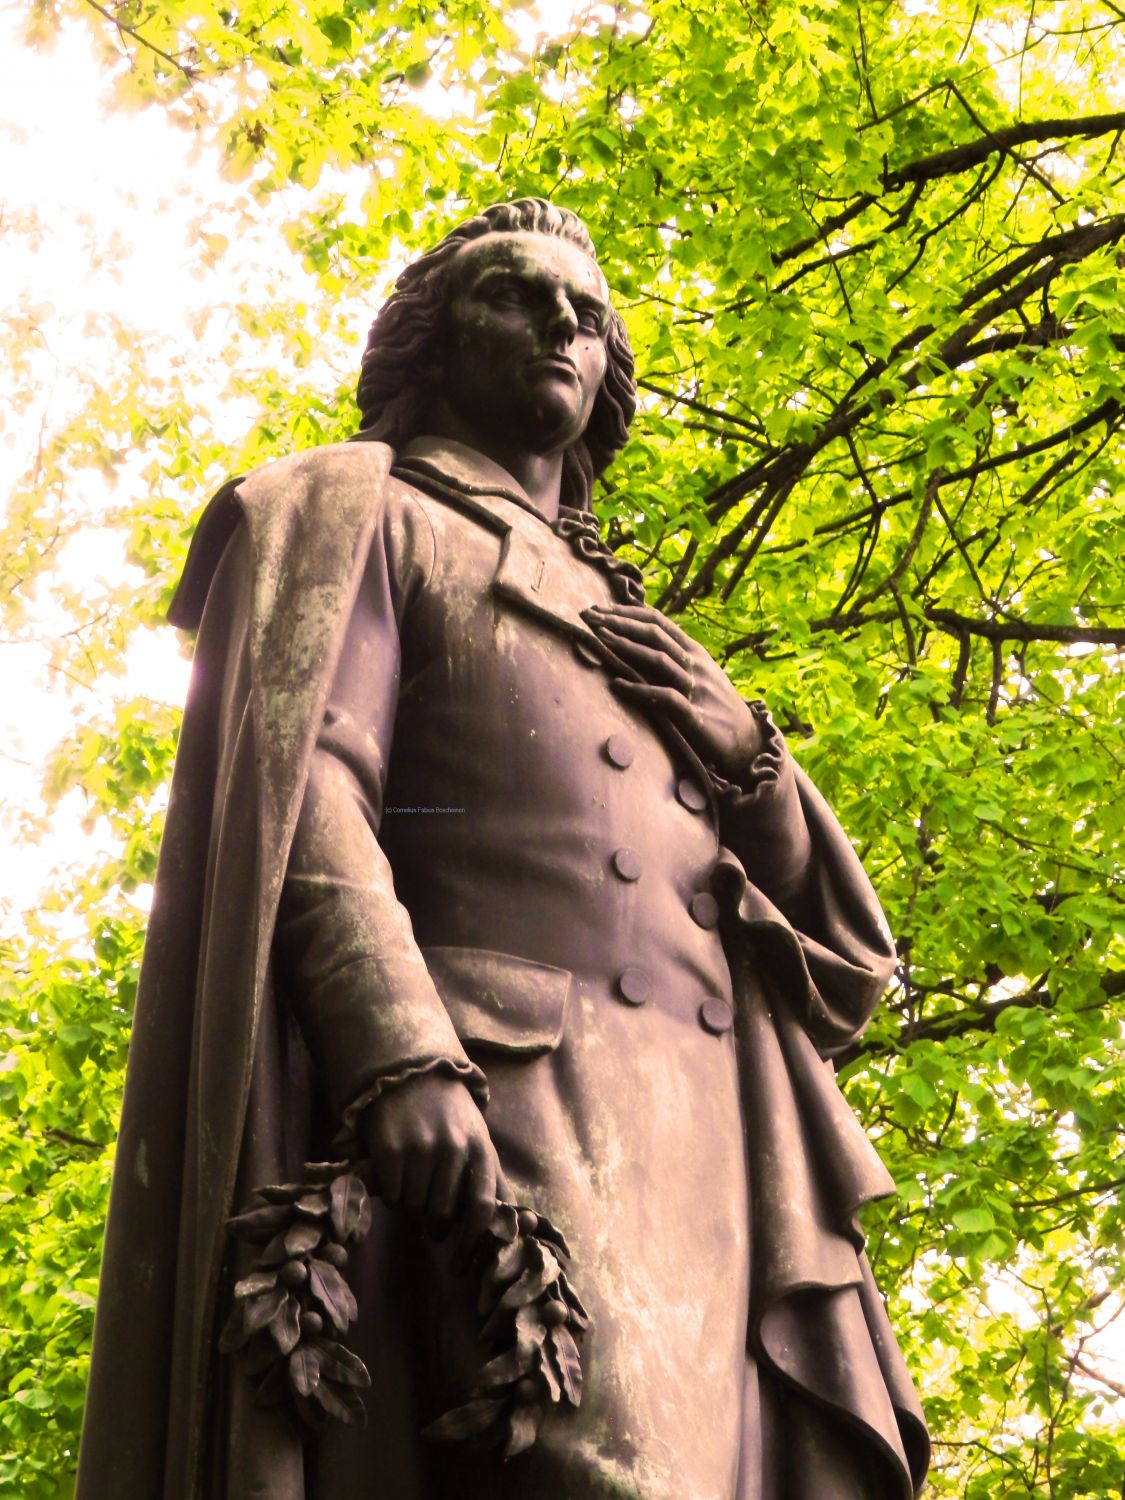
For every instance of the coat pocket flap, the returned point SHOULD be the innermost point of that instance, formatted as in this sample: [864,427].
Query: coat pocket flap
[496,1000]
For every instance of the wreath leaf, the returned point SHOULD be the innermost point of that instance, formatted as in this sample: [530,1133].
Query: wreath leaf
[530,1329]
[301,1239]
[534,1281]
[506,1368]
[333,1294]
[554,1236]
[339,1363]
[523,1428]
[545,1367]
[349,1197]
[325,1171]
[260,1222]
[578,1314]
[275,1252]
[284,1192]
[568,1363]
[510,1261]
[261,1310]
[257,1281]
[466,1421]
[304,1369]
[285,1325]
[341,1402]
[505,1223]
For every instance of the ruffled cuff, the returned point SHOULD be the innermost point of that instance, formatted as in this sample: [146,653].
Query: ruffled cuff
[466,1072]
[760,815]
[764,769]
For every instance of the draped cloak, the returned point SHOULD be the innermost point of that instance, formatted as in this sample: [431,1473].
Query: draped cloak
[217,1090]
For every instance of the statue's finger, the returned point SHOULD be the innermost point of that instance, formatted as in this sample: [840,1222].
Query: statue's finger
[646,629]
[672,702]
[481,1188]
[654,663]
[649,614]
[445,1187]
[417,1174]
[504,1193]
[386,1176]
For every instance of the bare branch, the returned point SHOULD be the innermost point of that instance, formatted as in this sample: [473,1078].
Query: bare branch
[184,68]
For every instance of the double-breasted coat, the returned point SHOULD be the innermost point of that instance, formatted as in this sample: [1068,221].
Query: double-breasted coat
[413,828]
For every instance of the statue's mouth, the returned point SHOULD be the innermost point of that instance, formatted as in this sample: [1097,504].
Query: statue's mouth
[560,364]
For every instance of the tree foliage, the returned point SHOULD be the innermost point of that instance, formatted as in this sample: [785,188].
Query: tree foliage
[869,257]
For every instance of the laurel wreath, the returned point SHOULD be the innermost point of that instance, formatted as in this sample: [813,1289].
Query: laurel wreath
[293,1309]
[534,1319]
[295,1296]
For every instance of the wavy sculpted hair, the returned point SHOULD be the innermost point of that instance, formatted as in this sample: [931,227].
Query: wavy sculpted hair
[401,361]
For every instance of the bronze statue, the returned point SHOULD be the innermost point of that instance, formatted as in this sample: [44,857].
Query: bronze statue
[482,885]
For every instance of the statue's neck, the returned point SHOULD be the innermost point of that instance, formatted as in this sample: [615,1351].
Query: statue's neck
[539,475]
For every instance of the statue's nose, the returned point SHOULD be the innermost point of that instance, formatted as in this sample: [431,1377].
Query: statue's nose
[563,322]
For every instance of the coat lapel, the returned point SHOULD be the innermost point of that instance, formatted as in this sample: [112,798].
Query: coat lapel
[530,574]
[533,579]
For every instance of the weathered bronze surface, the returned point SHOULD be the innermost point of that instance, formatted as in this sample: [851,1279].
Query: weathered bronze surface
[480,879]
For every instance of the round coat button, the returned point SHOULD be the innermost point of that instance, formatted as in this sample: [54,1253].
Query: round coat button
[634,986]
[716,1016]
[704,909]
[627,863]
[691,794]
[588,655]
[619,752]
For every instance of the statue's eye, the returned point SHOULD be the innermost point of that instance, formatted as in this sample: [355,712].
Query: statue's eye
[589,319]
[509,294]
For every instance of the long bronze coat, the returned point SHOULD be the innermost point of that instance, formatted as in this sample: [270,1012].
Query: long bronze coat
[413,827]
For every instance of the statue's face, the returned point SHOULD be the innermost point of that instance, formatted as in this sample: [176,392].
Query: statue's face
[525,356]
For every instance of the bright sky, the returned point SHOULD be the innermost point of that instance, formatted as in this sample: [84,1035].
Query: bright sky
[74,169]
[115,198]
[122,183]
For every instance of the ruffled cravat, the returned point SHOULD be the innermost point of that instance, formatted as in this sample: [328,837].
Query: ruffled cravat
[580,529]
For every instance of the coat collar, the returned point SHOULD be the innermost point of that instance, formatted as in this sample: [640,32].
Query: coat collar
[462,468]
[534,572]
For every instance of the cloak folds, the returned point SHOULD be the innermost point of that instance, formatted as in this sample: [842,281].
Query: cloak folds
[210,1102]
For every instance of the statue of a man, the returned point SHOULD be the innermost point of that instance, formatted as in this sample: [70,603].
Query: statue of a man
[479,868]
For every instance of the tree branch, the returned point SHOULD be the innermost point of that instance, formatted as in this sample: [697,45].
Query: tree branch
[962,158]
[999,630]
[971,1018]
[188,72]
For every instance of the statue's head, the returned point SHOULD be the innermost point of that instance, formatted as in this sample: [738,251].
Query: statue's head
[441,338]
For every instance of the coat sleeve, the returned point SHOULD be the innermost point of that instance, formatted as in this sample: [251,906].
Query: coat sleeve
[802,893]
[345,952]
[763,821]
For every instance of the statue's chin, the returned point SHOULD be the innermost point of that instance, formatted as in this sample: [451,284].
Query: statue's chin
[554,423]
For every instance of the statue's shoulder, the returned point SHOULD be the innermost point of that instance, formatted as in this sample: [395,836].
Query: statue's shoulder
[331,491]
[324,476]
